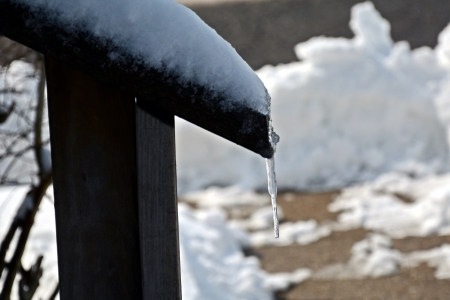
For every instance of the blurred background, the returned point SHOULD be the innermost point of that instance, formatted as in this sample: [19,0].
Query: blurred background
[361,101]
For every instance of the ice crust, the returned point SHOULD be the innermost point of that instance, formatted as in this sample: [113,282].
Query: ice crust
[349,111]
[163,35]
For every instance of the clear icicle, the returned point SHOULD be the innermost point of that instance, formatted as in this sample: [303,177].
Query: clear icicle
[272,181]
[272,186]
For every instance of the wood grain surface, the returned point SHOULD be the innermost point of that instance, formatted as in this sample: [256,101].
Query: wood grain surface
[92,129]
[158,215]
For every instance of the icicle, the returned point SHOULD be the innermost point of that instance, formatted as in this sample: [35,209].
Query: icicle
[272,181]
[272,186]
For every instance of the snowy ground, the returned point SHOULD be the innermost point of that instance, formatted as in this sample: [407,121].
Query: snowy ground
[363,114]
[213,265]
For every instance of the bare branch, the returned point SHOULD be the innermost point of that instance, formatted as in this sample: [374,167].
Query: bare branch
[37,193]
[30,280]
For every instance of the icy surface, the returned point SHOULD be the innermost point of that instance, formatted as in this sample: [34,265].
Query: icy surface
[164,35]
[349,111]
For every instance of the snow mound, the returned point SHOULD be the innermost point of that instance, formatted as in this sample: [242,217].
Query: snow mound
[350,110]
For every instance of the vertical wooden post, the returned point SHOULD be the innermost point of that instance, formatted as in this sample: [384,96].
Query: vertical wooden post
[93,151]
[97,164]
[158,217]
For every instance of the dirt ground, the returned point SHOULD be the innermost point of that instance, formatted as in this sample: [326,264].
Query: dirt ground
[409,284]
[265,32]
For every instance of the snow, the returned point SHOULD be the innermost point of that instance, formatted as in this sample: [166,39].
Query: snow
[42,239]
[226,197]
[349,111]
[301,232]
[377,206]
[374,257]
[163,35]
[364,114]
[438,258]
[371,257]
[213,265]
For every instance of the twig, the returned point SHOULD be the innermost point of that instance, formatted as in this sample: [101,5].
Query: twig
[6,242]
[13,267]
[29,282]
[36,193]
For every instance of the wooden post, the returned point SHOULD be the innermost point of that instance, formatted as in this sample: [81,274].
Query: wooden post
[158,214]
[100,192]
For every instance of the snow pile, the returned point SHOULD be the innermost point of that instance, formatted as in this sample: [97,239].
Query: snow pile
[350,110]
[213,265]
[371,257]
[163,35]
[397,205]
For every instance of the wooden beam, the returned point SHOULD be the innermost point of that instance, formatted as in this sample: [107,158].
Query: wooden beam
[94,163]
[115,191]
[158,214]
[86,52]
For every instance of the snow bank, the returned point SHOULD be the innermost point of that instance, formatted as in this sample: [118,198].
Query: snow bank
[350,110]
[163,35]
